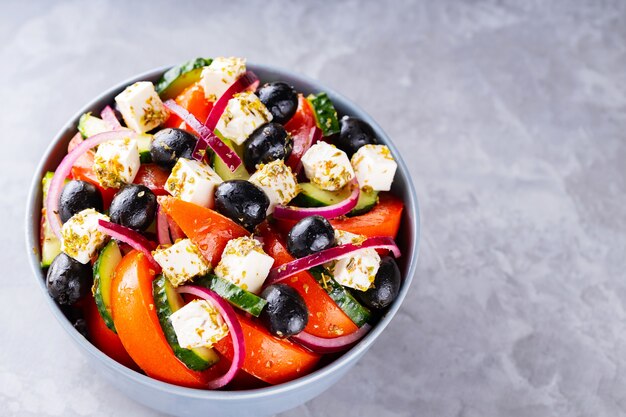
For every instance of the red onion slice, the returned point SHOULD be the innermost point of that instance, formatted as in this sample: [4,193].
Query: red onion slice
[207,137]
[330,212]
[133,238]
[64,168]
[336,344]
[301,143]
[108,115]
[236,332]
[303,264]
[247,81]
[162,227]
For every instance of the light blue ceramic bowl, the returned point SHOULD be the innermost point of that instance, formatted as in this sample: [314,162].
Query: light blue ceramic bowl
[181,401]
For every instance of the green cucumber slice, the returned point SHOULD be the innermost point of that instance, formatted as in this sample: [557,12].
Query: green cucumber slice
[357,312]
[144,142]
[176,79]
[89,125]
[167,302]
[325,113]
[312,196]
[103,271]
[235,295]
[222,170]
[50,244]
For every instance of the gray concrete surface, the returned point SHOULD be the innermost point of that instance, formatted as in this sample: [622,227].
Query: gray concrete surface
[512,117]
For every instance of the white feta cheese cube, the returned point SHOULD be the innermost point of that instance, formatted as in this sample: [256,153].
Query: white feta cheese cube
[193,181]
[181,262]
[327,167]
[243,114]
[141,107]
[217,77]
[116,162]
[277,181]
[198,324]
[358,269]
[245,264]
[80,237]
[374,167]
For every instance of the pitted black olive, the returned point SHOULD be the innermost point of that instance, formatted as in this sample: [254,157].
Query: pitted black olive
[170,144]
[267,143]
[386,285]
[286,313]
[133,206]
[311,234]
[68,280]
[78,196]
[280,99]
[241,201]
[354,133]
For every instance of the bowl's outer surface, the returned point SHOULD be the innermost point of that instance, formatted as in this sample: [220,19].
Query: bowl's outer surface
[181,401]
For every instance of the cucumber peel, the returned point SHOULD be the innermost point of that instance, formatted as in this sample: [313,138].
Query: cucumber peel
[325,113]
[235,295]
[176,79]
[103,271]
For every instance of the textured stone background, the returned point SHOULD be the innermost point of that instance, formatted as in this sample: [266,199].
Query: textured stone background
[512,117]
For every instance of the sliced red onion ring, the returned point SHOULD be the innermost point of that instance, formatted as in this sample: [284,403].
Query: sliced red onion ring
[303,264]
[236,332]
[133,238]
[301,143]
[246,81]
[207,137]
[64,168]
[108,115]
[162,228]
[330,212]
[336,344]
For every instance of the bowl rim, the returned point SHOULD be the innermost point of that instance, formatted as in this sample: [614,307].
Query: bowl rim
[230,396]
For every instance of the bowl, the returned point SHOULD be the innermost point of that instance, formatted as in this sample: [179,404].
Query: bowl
[176,400]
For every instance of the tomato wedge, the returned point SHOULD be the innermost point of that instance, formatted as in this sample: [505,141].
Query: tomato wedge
[138,326]
[326,319]
[268,358]
[299,127]
[192,98]
[152,177]
[103,338]
[383,220]
[207,229]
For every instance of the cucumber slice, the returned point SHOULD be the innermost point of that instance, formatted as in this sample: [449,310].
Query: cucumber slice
[325,113]
[89,125]
[144,142]
[167,302]
[50,244]
[223,171]
[357,312]
[312,196]
[175,80]
[103,271]
[237,296]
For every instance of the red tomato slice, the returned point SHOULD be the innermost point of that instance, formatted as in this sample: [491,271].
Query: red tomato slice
[192,98]
[139,329]
[152,177]
[326,319]
[268,358]
[299,127]
[207,229]
[383,220]
[104,338]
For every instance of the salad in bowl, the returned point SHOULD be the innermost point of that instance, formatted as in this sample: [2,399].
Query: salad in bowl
[215,231]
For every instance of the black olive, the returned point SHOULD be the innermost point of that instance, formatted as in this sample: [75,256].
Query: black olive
[311,234]
[68,280]
[280,99]
[267,143]
[78,196]
[241,201]
[133,206]
[354,133]
[81,326]
[170,144]
[286,312]
[386,285]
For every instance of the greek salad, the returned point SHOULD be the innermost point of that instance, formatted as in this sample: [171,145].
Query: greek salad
[213,231]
